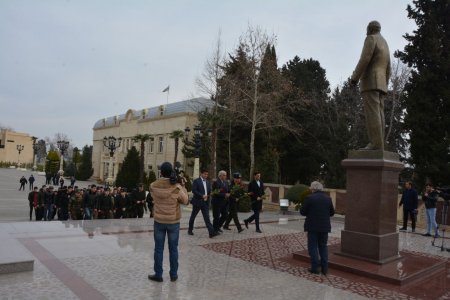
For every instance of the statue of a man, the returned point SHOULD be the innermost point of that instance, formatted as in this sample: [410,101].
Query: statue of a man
[374,69]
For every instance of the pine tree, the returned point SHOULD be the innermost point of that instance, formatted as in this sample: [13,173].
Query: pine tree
[85,169]
[128,175]
[428,90]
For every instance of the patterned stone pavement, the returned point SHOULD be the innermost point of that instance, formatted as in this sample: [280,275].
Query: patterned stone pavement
[110,259]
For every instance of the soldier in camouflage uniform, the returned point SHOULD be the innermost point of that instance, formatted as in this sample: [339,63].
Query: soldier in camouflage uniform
[76,206]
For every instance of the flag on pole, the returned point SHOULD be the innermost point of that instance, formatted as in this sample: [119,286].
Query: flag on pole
[166,89]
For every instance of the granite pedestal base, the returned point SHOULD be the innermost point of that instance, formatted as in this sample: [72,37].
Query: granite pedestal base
[370,231]
[408,268]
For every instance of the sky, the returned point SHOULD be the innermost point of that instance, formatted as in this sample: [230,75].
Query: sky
[66,64]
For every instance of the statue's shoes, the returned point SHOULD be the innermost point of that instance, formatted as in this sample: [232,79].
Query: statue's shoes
[368,147]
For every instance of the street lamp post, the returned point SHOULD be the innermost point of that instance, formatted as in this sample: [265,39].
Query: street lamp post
[35,149]
[112,144]
[19,149]
[62,146]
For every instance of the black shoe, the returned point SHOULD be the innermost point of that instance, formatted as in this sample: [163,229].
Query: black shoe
[173,278]
[213,235]
[313,271]
[246,223]
[240,230]
[190,232]
[258,230]
[426,234]
[219,230]
[324,272]
[413,230]
[402,229]
[226,228]
[155,278]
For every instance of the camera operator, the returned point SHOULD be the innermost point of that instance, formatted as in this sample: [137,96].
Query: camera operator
[430,197]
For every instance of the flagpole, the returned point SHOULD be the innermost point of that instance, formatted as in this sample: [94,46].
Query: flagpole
[168,96]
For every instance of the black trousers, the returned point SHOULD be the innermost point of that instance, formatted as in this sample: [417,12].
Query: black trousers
[205,212]
[220,213]
[232,215]
[412,214]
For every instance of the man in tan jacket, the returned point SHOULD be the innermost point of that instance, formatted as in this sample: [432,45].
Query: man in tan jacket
[373,69]
[167,195]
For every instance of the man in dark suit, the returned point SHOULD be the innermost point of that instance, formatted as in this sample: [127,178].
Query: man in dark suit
[373,71]
[201,189]
[219,202]
[318,208]
[410,202]
[256,193]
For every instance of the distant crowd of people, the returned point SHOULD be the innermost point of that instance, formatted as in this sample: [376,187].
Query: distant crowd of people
[70,202]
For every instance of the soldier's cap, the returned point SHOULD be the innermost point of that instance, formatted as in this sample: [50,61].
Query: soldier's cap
[100,187]
[237,175]
[107,189]
[123,190]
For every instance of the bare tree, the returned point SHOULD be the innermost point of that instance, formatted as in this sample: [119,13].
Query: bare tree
[207,84]
[254,88]
[399,77]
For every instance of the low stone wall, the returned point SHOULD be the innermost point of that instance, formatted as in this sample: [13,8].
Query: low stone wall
[275,192]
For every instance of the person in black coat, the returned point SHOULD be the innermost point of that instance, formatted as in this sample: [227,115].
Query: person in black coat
[201,189]
[318,208]
[410,201]
[219,202]
[256,193]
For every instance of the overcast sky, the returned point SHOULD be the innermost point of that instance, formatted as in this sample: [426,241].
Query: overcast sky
[66,64]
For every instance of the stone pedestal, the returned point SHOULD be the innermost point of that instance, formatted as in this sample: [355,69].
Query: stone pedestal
[370,231]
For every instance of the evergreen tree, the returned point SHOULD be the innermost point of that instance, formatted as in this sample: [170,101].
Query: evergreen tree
[52,162]
[128,175]
[142,138]
[85,169]
[428,90]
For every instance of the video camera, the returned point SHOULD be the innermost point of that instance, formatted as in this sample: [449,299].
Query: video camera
[176,176]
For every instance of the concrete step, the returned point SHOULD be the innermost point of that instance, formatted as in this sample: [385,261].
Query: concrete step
[13,256]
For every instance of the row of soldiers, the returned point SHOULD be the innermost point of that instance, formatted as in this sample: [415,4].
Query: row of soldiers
[91,203]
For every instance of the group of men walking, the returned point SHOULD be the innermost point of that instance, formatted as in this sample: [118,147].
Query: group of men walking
[224,201]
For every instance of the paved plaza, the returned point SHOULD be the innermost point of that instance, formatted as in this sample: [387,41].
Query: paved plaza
[110,259]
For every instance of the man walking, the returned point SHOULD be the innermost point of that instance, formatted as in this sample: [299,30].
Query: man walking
[410,202]
[22,181]
[256,192]
[167,195]
[219,202]
[318,209]
[201,189]
[236,191]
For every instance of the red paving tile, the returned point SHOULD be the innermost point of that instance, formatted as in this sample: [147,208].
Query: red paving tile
[275,252]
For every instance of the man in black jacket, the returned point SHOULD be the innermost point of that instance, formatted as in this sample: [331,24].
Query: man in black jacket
[318,208]
[256,193]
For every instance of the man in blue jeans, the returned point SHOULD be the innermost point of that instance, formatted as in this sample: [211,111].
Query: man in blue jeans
[167,195]
[318,208]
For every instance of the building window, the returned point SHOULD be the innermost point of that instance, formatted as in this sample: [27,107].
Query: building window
[150,145]
[161,144]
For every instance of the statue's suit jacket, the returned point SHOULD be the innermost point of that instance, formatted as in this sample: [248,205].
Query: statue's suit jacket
[374,66]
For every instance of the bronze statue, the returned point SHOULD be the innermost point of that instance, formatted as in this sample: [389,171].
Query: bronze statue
[373,69]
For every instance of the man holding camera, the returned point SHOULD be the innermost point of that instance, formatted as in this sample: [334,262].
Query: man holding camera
[167,196]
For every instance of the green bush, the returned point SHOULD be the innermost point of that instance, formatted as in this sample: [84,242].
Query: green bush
[244,204]
[297,194]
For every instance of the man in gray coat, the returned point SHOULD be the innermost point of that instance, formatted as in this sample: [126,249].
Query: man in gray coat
[374,70]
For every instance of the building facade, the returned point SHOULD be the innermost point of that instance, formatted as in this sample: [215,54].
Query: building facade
[10,142]
[159,122]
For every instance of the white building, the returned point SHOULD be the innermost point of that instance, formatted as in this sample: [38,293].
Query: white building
[159,122]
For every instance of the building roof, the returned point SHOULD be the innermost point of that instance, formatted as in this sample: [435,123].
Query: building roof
[194,105]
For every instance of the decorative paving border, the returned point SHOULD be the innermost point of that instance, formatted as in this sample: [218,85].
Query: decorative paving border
[275,252]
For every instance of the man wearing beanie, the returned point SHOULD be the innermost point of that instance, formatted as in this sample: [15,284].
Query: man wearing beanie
[167,195]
